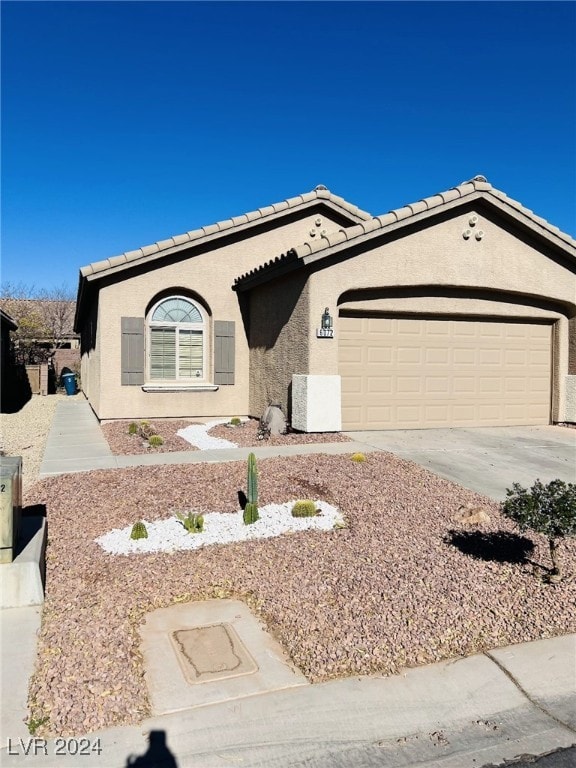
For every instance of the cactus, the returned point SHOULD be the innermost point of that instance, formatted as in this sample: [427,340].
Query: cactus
[132,428]
[358,457]
[193,522]
[155,441]
[139,531]
[251,513]
[304,508]
[252,480]
[251,508]
[235,421]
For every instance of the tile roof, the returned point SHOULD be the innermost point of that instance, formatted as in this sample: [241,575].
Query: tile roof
[478,187]
[196,236]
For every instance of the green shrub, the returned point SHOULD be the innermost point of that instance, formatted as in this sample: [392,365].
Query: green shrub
[358,457]
[235,421]
[139,531]
[304,508]
[193,522]
[547,509]
[132,428]
[155,441]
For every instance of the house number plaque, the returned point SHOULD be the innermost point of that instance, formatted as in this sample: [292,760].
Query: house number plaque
[325,333]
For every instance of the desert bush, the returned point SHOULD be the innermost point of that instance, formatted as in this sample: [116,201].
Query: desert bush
[358,457]
[145,430]
[547,509]
[193,522]
[235,421]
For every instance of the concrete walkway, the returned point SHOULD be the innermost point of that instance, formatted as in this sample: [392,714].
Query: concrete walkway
[464,713]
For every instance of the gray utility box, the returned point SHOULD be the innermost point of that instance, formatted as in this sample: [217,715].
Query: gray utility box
[10,505]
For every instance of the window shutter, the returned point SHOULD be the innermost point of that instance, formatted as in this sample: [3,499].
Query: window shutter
[132,354]
[224,352]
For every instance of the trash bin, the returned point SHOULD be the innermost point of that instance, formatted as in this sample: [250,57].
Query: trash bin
[69,380]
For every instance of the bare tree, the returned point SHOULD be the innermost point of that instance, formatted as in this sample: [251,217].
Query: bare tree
[58,306]
[45,319]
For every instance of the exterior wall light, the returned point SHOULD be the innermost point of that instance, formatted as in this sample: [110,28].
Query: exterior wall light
[326,320]
[325,331]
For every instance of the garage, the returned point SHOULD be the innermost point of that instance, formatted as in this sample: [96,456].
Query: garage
[409,372]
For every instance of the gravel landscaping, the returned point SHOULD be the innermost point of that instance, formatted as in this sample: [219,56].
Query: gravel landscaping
[24,433]
[401,585]
[244,436]
[123,443]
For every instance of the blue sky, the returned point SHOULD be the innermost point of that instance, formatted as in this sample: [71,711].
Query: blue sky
[125,122]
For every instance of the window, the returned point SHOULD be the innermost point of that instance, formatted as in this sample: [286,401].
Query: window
[177,341]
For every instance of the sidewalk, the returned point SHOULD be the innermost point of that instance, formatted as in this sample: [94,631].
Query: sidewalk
[463,713]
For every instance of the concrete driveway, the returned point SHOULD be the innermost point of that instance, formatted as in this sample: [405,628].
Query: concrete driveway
[485,459]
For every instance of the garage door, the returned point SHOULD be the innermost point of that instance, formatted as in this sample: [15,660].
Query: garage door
[409,373]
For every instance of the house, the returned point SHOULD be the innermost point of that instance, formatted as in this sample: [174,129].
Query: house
[457,310]
[14,387]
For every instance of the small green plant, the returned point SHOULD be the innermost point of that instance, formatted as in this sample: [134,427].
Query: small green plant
[358,457]
[235,421]
[36,722]
[251,509]
[155,441]
[193,522]
[145,430]
[304,508]
[547,509]
[132,428]
[139,531]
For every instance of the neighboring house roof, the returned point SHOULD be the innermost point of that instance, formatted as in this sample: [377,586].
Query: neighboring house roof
[477,188]
[9,321]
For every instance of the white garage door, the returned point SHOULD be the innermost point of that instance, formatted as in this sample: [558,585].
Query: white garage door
[409,373]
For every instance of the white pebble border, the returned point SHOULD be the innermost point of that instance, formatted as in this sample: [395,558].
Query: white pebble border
[170,535]
[197,435]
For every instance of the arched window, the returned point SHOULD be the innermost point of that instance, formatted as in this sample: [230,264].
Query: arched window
[177,340]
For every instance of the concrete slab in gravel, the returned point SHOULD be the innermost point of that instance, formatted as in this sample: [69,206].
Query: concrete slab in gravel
[212,652]
[265,668]
[485,459]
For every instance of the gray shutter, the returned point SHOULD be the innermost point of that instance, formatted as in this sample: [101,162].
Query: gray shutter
[224,351]
[132,359]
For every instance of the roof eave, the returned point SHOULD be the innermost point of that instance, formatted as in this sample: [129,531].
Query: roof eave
[308,253]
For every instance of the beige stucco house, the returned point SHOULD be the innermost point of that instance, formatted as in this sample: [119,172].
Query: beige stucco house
[456,310]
